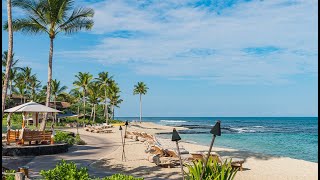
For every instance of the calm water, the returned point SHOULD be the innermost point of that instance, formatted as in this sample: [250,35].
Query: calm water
[295,137]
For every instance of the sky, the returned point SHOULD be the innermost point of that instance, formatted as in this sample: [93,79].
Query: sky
[198,57]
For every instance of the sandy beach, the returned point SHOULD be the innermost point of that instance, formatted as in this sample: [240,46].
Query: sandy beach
[102,156]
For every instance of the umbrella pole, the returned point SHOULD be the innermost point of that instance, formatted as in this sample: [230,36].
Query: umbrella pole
[180,160]
[206,161]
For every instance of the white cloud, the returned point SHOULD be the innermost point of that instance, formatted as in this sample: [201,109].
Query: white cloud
[172,29]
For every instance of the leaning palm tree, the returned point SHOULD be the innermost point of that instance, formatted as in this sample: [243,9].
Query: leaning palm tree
[56,90]
[83,81]
[51,17]
[141,89]
[9,57]
[104,81]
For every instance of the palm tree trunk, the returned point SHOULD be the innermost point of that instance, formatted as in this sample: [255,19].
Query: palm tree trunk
[10,81]
[94,113]
[43,123]
[9,57]
[106,107]
[91,112]
[140,108]
[113,112]
[55,106]
[84,104]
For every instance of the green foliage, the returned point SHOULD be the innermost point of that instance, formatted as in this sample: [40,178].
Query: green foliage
[213,170]
[121,177]
[65,171]
[64,137]
[10,176]
[79,141]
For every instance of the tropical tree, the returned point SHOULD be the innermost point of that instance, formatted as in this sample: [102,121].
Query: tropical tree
[77,98]
[104,81]
[83,81]
[13,70]
[9,56]
[141,89]
[51,17]
[20,89]
[26,74]
[35,86]
[114,96]
[93,97]
[56,90]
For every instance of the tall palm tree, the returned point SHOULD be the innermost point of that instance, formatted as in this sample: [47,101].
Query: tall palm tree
[104,81]
[51,17]
[26,73]
[20,89]
[35,85]
[56,90]
[13,70]
[9,57]
[114,96]
[77,98]
[93,96]
[141,89]
[83,81]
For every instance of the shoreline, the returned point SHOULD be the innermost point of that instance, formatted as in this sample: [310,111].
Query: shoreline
[167,131]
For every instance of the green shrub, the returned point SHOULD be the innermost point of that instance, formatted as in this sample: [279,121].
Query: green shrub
[64,137]
[79,141]
[213,170]
[121,177]
[65,171]
[11,176]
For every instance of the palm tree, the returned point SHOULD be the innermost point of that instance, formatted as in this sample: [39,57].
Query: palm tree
[27,75]
[77,97]
[93,95]
[20,89]
[51,17]
[13,71]
[35,85]
[56,90]
[114,96]
[83,81]
[140,88]
[104,81]
[9,57]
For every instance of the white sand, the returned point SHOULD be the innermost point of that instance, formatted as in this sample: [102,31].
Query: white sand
[256,166]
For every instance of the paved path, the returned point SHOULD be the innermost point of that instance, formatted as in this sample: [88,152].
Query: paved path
[83,156]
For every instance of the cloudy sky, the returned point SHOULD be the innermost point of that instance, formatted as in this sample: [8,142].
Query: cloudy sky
[198,57]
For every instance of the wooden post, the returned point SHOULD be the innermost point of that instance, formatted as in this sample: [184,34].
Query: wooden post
[181,165]
[23,119]
[37,119]
[8,137]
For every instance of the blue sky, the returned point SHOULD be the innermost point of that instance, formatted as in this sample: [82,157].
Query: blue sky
[198,58]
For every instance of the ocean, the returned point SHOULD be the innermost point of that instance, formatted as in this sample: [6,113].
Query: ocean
[294,137]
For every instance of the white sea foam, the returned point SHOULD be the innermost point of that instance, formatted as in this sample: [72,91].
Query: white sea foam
[172,121]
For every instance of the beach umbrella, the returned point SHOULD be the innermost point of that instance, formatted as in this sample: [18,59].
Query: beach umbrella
[175,137]
[216,131]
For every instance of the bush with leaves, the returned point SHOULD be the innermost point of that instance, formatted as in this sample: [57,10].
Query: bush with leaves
[65,171]
[213,170]
[10,176]
[79,141]
[64,137]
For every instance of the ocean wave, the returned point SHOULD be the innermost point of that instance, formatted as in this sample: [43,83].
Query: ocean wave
[172,121]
